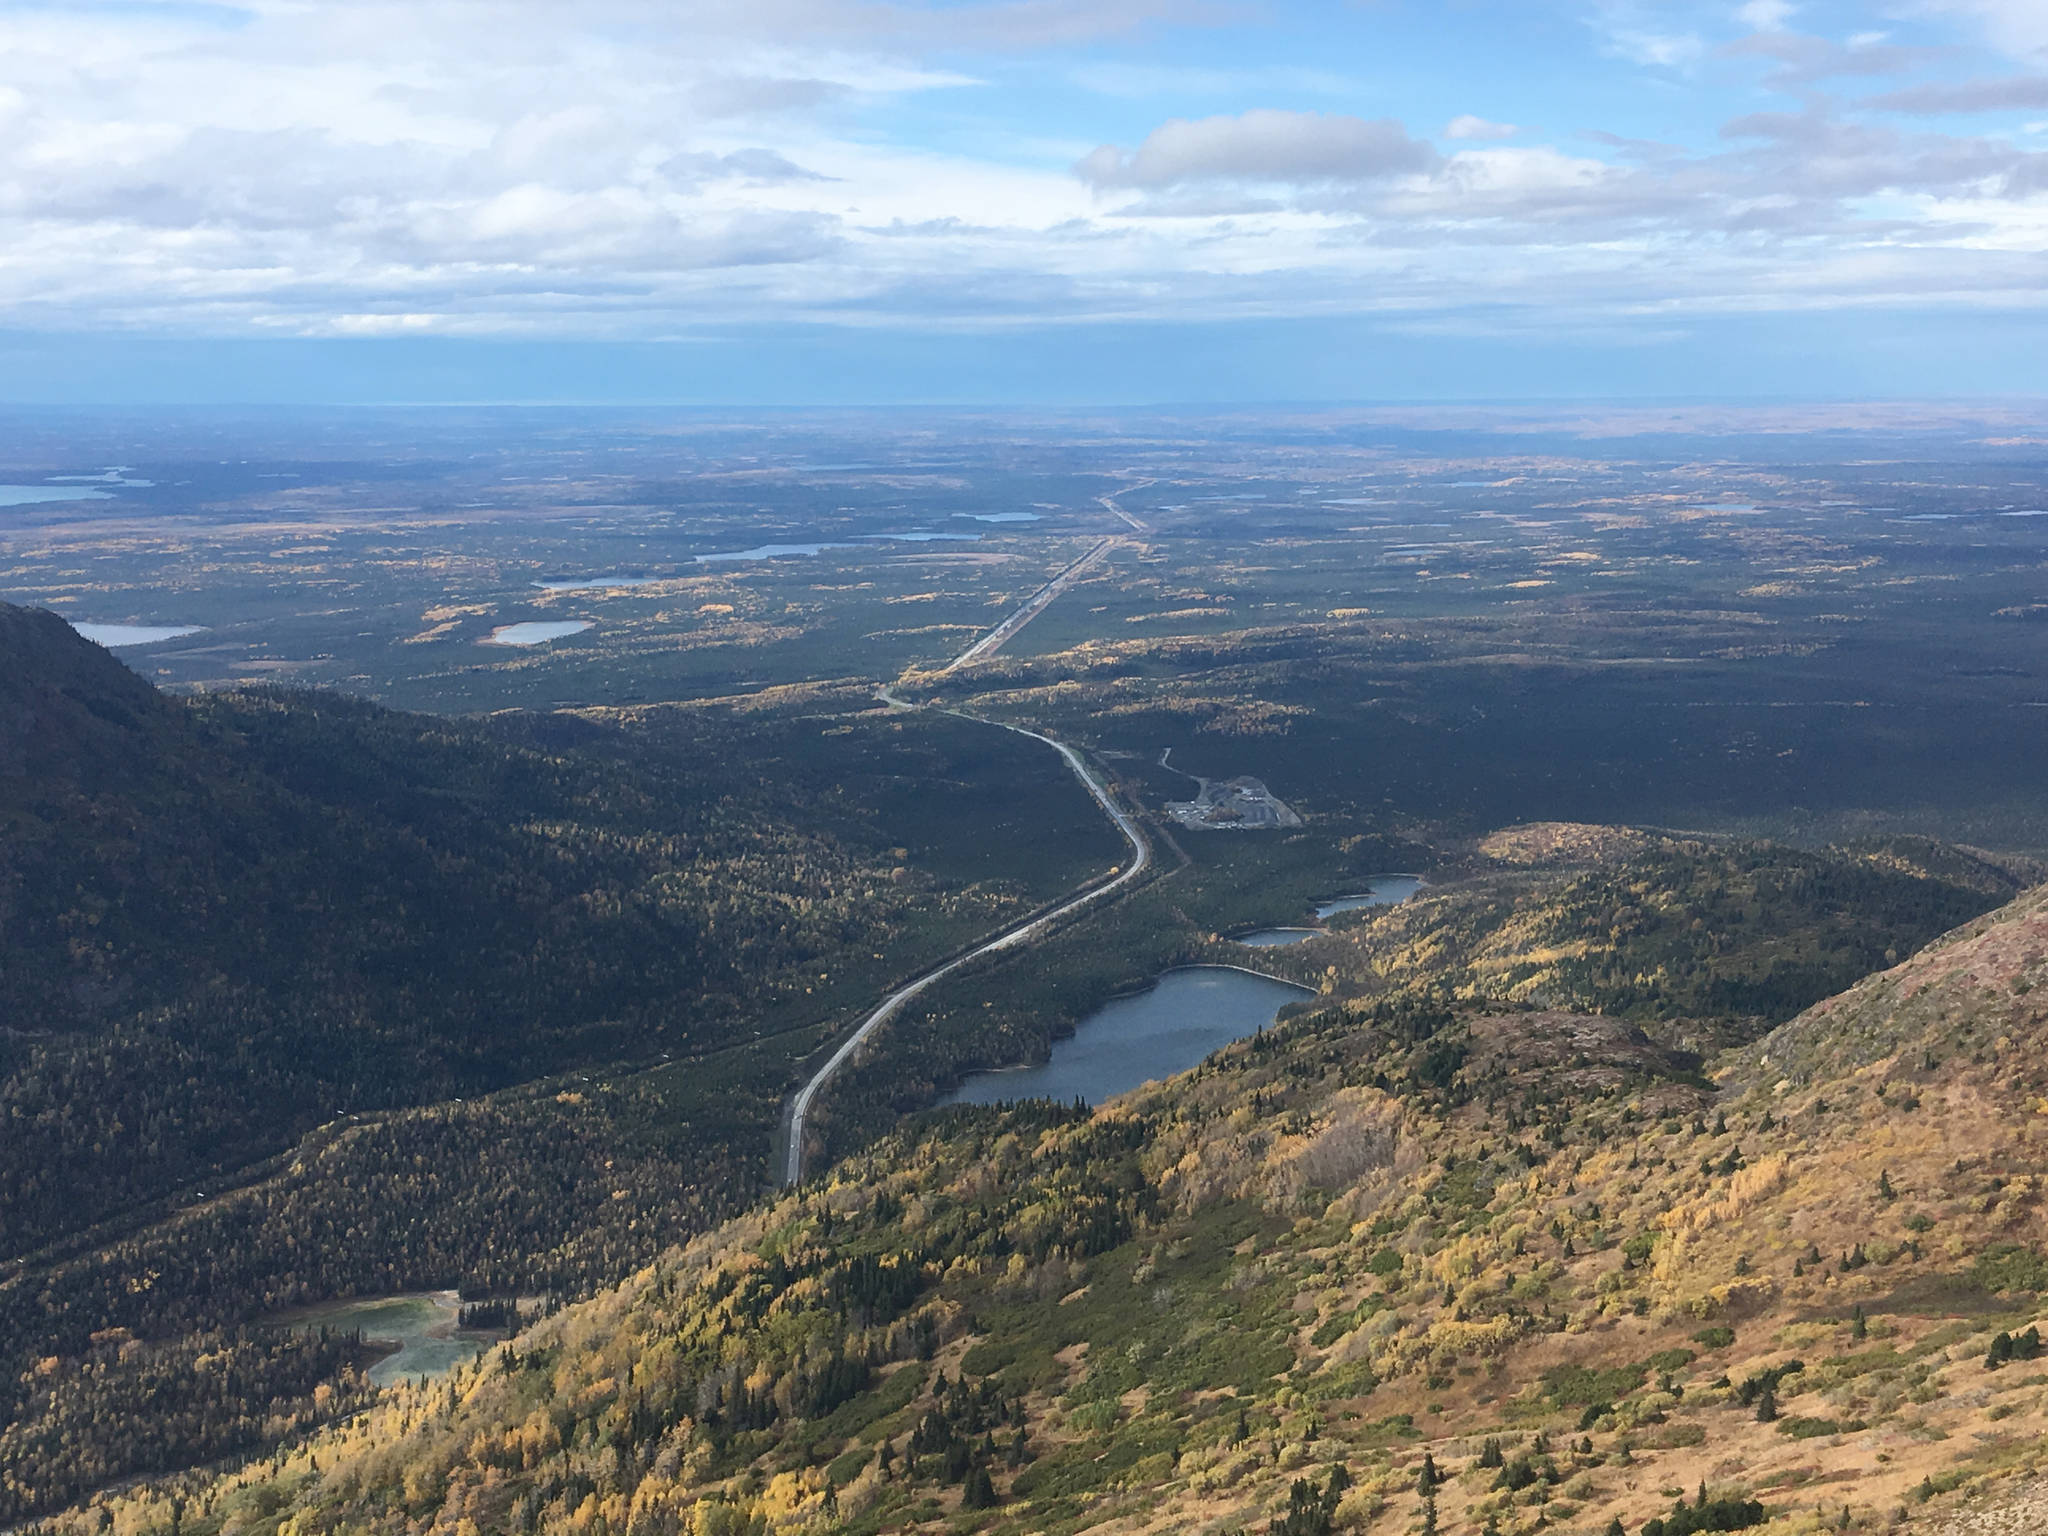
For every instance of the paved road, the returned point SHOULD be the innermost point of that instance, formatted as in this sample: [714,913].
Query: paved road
[1110,503]
[1034,605]
[1023,933]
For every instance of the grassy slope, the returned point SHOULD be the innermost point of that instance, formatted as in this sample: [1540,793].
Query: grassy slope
[1375,1232]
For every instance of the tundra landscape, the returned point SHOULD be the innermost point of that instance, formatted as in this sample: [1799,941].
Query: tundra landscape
[1312,973]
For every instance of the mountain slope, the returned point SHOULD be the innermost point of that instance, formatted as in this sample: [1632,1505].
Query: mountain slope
[222,921]
[1485,1268]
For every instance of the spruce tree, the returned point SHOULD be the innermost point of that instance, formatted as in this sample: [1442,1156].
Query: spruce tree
[980,1492]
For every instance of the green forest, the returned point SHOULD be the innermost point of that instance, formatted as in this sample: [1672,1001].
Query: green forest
[322,1000]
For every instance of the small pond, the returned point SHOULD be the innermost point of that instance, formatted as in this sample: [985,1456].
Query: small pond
[1184,1017]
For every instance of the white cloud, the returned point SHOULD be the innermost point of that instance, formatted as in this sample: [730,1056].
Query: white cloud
[2020,27]
[1466,126]
[1261,145]
[1664,50]
[632,167]
[1765,15]
[1640,31]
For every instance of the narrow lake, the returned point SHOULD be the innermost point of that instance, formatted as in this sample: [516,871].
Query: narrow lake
[419,1328]
[111,635]
[596,583]
[1275,938]
[30,495]
[1184,1017]
[1380,891]
[534,631]
[767,552]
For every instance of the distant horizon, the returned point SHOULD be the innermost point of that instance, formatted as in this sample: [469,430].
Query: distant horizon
[1087,203]
[1804,360]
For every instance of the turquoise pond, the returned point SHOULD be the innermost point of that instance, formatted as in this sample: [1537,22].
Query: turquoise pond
[418,1328]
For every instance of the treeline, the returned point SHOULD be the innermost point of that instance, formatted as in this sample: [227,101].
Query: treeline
[126,1407]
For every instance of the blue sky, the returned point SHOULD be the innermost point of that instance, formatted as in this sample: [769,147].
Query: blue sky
[838,201]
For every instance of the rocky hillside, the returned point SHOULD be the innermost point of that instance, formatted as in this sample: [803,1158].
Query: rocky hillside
[1395,1265]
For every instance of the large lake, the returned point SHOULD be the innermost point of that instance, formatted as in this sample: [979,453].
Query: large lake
[420,1329]
[1186,1016]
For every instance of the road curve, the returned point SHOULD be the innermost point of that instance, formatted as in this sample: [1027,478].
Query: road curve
[1023,933]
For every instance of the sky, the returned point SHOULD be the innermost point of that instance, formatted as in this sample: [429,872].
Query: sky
[976,201]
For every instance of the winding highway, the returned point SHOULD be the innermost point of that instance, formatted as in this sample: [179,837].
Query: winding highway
[797,1116]
[1023,933]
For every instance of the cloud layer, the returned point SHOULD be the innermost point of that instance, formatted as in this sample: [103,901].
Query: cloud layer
[624,168]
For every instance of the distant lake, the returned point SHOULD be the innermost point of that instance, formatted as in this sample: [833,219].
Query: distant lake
[1186,1016]
[420,1329]
[24,495]
[768,552]
[1275,938]
[1381,891]
[134,634]
[596,583]
[922,537]
[534,631]
[118,475]
[1000,517]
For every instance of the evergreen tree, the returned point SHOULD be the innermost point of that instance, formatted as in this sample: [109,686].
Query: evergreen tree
[980,1492]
